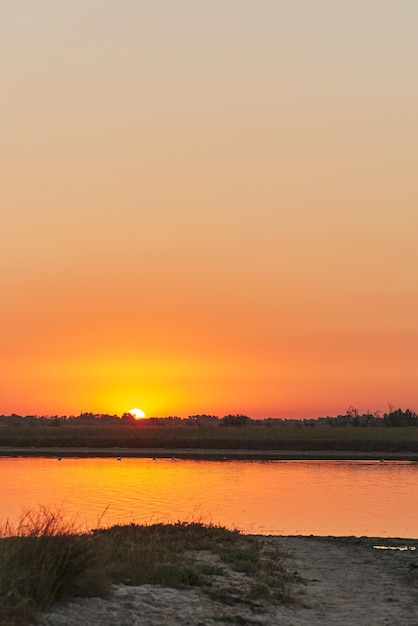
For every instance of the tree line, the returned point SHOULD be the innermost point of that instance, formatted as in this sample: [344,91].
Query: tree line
[394,418]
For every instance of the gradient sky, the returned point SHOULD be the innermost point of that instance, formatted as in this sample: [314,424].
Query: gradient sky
[208,206]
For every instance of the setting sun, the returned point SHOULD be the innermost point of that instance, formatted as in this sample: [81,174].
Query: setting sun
[137,413]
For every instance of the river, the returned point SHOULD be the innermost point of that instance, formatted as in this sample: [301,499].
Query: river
[264,497]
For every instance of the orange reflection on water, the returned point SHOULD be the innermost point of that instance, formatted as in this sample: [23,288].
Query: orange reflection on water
[270,497]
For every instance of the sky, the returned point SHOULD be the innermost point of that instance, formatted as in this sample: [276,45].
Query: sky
[208,206]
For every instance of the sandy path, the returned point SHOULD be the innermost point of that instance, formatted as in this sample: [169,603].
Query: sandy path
[348,582]
[340,581]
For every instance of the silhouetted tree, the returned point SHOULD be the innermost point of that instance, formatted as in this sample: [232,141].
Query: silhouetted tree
[128,418]
[235,420]
[400,418]
[203,420]
[353,416]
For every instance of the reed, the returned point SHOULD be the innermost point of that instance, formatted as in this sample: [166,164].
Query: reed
[253,437]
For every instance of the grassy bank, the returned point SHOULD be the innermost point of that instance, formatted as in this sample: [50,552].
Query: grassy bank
[44,559]
[319,438]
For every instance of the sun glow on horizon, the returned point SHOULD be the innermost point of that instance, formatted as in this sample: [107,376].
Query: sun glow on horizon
[200,264]
[137,414]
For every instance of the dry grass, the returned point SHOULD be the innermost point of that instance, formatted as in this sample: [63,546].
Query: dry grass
[44,559]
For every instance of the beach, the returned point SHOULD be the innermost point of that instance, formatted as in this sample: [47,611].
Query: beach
[335,581]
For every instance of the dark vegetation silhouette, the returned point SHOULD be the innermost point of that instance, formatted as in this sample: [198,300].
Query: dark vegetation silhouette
[394,432]
[235,420]
[400,418]
[352,417]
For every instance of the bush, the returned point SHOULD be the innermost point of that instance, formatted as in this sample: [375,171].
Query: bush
[400,418]
[235,420]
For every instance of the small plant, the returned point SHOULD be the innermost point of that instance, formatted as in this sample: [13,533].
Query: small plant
[241,559]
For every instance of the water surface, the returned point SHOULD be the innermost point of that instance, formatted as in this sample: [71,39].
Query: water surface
[268,497]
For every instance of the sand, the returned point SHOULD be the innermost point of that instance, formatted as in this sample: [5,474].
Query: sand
[348,581]
[337,581]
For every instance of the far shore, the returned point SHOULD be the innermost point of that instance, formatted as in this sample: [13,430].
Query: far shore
[207,454]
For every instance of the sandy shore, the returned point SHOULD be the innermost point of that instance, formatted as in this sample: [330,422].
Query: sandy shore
[208,454]
[337,582]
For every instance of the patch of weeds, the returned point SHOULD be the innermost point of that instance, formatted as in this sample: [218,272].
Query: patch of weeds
[241,558]
[259,590]
[44,560]
[207,569]
[273,580]
[157,554]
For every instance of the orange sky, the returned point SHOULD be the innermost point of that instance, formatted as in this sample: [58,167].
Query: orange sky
[208,207]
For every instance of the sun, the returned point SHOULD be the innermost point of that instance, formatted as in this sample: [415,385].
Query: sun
[137,413]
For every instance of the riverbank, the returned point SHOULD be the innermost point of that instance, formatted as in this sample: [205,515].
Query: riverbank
[207,454]
[334,581]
